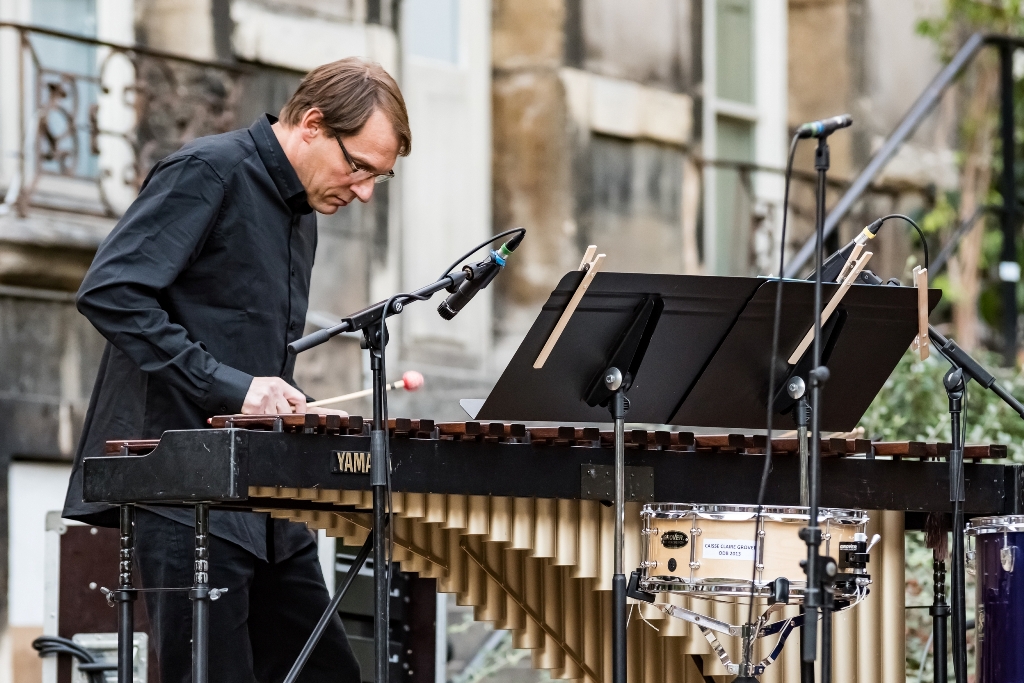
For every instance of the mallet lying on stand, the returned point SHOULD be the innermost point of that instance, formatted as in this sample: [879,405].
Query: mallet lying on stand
[411,381]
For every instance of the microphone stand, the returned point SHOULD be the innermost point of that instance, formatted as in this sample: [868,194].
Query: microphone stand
[817,595]
[370,321]
[963,368]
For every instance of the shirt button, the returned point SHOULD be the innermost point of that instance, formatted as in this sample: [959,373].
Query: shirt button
[293,272]
[292,327]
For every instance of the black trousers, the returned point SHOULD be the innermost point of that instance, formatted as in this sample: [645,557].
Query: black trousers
[257,628]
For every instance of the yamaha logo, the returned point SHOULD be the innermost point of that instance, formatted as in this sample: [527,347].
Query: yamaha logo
[350,462]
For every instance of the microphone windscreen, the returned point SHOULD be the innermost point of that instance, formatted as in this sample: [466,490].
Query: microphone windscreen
[412,380]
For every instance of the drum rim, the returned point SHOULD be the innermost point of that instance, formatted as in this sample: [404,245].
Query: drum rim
[679,510]
[995,525]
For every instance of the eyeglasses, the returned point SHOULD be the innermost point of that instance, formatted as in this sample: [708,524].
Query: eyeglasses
[362,172]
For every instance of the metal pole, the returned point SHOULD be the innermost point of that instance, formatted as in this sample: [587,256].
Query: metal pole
[812,534]
[619,577]
[200,596]
[125,597]
[378,481]
[939,611]
[801,437]
[955,386]
[1009,270]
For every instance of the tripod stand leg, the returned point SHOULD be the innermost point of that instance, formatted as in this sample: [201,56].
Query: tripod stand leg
[200,596]
[332,608]
[125,597]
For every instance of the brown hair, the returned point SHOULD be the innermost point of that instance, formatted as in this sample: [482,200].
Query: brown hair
[347,92]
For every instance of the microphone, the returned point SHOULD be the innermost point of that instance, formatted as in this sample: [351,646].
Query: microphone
[478,276]
[818,129]
[833,265]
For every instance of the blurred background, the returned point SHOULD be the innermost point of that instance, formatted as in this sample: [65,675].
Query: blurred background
[656,129]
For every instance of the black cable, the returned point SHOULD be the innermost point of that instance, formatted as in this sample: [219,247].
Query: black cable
[478,248]
[55,645]
[920,232]
[776,324]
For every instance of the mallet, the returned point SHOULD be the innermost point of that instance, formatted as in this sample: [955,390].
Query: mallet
[411,381]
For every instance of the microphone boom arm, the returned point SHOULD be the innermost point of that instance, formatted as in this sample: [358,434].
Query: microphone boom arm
[972,368]
[372,315]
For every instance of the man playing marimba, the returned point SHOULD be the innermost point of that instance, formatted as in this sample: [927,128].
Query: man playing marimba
[198,291]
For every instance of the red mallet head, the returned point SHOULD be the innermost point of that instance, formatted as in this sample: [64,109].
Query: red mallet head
[412,380]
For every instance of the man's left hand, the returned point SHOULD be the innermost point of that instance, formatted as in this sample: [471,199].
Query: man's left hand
[325,411]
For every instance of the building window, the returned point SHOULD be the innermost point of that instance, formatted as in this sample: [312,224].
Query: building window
[58,55]
[734,51]
[433,29]
[734,196]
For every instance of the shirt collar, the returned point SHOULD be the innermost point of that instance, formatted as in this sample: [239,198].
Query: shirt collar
[278,166]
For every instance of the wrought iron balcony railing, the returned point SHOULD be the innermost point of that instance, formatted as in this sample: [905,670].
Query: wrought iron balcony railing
[95,116]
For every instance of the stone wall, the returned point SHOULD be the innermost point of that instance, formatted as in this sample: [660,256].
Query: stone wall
[593,119]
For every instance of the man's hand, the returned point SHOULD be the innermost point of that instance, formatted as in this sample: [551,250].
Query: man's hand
[272,396]
[320,410]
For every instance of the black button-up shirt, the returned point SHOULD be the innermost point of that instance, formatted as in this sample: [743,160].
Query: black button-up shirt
[199,288]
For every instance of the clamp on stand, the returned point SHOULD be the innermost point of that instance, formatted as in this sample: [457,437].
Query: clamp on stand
[797,390]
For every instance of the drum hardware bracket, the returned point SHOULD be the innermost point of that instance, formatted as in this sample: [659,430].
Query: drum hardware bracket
[633,588]
[597,482]
[709,625]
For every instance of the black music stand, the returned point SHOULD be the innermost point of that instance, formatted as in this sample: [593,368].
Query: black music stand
[692,351]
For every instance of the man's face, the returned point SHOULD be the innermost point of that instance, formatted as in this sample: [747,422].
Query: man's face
[332,182]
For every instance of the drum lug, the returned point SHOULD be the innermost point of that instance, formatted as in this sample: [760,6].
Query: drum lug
[1006,558]
[649,564]
[695,565]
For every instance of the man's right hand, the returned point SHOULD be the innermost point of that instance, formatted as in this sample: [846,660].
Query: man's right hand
[272,396]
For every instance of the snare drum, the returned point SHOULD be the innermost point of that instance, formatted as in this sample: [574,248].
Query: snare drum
[999,564]
[710,551]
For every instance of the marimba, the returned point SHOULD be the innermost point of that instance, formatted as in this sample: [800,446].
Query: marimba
[514,520]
